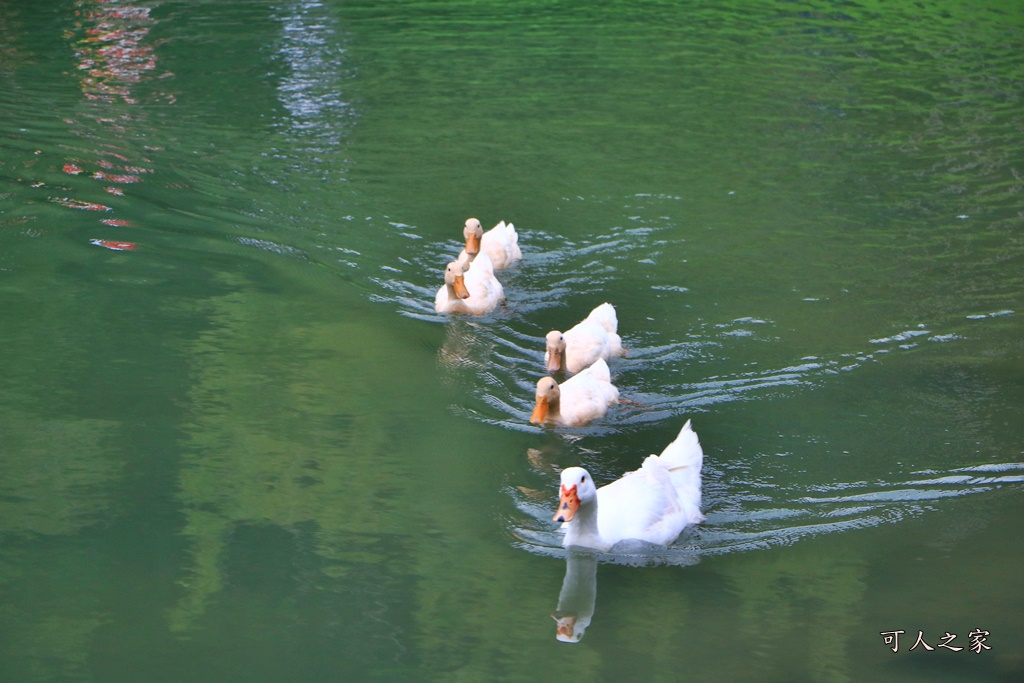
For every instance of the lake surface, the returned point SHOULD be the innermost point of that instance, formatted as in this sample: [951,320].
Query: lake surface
[238,444]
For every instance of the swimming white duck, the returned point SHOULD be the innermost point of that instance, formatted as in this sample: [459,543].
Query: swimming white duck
[652,504]
[596,336]
[501,243]
[476,292]
[578,400]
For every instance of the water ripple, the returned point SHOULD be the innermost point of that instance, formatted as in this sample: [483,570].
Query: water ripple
[738,521]
[656,376]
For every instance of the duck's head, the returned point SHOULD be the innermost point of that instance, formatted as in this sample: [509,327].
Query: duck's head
[454,277]
[547,393]
[566,629]
[577,487]
[473,232]
[555,342]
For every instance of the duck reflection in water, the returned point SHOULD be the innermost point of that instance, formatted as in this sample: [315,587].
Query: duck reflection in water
[578,596]
[638,515]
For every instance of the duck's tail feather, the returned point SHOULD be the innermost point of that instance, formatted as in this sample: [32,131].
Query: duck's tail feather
[600,371]
[684,458]
[604,315]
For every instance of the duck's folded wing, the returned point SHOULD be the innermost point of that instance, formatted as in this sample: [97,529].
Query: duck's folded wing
[642,505]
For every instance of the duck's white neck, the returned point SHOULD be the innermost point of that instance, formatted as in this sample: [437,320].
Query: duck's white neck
[466,260]
[582,530]
[554,409]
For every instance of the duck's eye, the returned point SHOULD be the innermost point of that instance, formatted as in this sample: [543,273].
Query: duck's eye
[583,478]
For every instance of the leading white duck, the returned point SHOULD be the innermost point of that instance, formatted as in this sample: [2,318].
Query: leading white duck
[500,243]
[476,292]
[653,504]
[576,401]
[596,336]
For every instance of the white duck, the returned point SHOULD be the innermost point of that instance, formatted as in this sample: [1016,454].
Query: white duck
[476,292]
[501,243]
[578,400]
[652,504]
[596,336]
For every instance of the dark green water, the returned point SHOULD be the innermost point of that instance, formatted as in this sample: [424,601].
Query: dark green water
[245,448]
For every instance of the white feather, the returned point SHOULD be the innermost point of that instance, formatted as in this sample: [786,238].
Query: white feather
[596,336]
[485,292]
[653,503]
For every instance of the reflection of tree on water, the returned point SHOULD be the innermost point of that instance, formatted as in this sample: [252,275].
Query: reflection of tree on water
[248,464]
[62,483]
[58,481]
[786,594]
[62,477]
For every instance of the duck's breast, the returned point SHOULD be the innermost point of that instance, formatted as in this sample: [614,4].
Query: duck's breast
[442,303]
[485,292]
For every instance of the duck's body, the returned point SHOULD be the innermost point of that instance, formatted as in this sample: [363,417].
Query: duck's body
[652,504]
[476,291]
[596,336]
[577,401]
[500,243]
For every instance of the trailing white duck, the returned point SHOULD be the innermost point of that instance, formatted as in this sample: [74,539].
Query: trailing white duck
[652,504]
[501,243]
[476,292]
[596,336]
[578,400]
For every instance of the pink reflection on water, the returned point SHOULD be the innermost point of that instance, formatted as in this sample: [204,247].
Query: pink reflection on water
[109,41]
[112,54]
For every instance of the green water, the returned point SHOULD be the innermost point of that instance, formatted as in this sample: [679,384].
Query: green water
[247,449]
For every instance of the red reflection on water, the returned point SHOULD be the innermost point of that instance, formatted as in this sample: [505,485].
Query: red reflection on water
[79,204]
[109,43]
[112,178]
[112,54]
[116,246]
[106,164]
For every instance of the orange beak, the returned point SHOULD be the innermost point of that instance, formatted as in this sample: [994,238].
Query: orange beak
[472,245]
[554,360]
[460,287]
[566,625]
[568,503]
[540,411]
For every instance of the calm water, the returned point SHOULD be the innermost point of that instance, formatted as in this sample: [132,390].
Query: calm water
[239,445]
